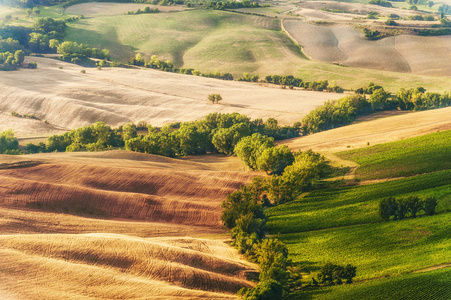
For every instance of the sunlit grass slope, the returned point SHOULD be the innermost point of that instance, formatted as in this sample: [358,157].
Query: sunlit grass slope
[341,225]
[412,156]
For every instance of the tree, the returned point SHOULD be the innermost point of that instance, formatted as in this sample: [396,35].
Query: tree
[249,148]
[430,4]
[8,142]
[386,208]
[36,10]
[331,273]
[214,98]
[414,205]
[19,56]
[429,204]
[225,139]
[129,131]
[274,160]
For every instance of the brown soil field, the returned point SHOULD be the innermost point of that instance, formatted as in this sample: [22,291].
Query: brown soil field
[68,99]
[346,45]
[98,9]
[384,128]
[117,225]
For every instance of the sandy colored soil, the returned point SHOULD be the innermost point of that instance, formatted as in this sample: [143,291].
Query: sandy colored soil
[347,46]
[110,266]
[68,99]
[399,126]
[98,9]
[118,225]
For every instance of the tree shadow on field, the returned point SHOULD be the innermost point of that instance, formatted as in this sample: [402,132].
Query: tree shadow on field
[95,39]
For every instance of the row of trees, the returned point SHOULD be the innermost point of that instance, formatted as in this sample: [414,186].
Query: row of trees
[369,99]
[291,81]
[146,10]
[216,133]
[232,4]
[168,66]
[243,213]
[399,208]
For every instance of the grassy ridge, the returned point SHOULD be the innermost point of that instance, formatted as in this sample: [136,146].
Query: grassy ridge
[429,285]
[424,154]
[355,205]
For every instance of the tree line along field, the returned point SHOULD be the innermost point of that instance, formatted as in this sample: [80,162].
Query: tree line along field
[255,44]
[341,225]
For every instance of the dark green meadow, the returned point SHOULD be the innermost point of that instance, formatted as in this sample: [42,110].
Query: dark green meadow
[341,224]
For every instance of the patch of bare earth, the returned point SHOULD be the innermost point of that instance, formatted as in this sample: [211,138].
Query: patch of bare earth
[117,225]
[69,99]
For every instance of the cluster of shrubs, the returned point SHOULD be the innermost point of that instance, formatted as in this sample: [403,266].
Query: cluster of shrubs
[335,274]
[343,111]
[146,10]
[399,208]
[17,115]
[372,34]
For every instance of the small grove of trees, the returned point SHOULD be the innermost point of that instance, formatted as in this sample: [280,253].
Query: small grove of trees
[214,98]
[9,144]
[232,4]
[79,53]
[372,35]
[335,274]
[10,61]
[399,208]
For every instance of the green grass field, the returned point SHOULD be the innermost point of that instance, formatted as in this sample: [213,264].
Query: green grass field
[434,285]
[341,225]
[210,40]
[408,157]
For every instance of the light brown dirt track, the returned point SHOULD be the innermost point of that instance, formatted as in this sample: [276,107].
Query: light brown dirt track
[346,45]
[68,99]
[117,225]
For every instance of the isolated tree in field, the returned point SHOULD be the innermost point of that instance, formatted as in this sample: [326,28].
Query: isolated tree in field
[36,10]
[214,98]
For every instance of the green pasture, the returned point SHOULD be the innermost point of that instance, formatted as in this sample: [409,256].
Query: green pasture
[346,206]
[433,285]
[424,154]
[389,248]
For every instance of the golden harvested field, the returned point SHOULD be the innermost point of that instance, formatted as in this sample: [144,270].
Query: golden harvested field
[98,9]
[383,128]
[68,99]
[346,45]
[117,224]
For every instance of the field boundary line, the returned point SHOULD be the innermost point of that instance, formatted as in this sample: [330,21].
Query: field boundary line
[295,41]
